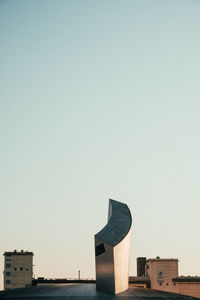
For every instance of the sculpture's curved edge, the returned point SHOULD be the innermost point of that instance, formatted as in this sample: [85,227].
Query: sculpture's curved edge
[112,250]
[118,225]
[128,211]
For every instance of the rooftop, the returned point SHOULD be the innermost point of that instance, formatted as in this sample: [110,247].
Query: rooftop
[85,291]
[15,252]
[187,279]
[162,259]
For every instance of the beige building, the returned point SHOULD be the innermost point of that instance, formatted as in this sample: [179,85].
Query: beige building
[161,271]
[18,269]
[162,274]
[188,285]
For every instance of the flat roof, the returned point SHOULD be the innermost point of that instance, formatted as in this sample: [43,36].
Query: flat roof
[85,291]
[162,259]
[15,252]
[186,279]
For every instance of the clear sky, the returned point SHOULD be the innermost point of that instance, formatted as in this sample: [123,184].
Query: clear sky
[99,100]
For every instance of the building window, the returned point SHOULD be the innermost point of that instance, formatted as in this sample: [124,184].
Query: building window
[21,269]
[167,283]
[160,283]
[8,259]
[8,265]
[26,269]
[7,281]
[15,269]
[99,249]
[7,273]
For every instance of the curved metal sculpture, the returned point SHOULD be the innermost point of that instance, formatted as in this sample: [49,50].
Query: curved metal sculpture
[112,250]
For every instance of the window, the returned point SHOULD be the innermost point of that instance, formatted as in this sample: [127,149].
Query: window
[7,273]
[26,269]
[21,269]
[167,283]
[99,249]
[8,259]
[8,265]
[15,269]
[7,281]
[160,283]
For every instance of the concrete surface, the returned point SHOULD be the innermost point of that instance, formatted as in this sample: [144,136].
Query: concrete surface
[84,291]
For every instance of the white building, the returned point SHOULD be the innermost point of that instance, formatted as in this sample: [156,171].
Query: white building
[18,269]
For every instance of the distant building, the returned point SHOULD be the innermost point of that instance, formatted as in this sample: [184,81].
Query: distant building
[162,274]
[18,269]
[161,271]
[188,285]
[139,282]
[141,265]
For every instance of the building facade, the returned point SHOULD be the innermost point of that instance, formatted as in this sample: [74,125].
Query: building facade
[161,271]
[162,274]
[18,269]
[188,285]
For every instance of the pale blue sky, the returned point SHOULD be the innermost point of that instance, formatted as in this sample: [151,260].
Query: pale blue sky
[98,100]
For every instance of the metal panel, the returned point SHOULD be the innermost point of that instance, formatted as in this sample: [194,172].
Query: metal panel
[112,246]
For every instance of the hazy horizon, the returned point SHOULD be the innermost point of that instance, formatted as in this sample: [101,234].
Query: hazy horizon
[99,100]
